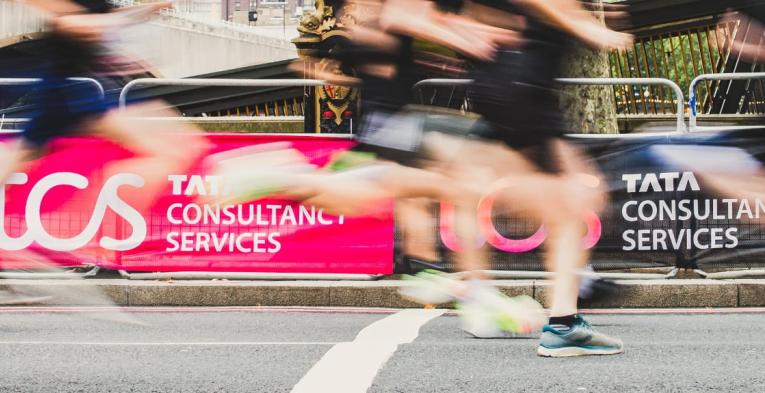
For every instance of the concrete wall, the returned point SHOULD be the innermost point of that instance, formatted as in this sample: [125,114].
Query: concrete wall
[180,48]
[176,47]
[17,20]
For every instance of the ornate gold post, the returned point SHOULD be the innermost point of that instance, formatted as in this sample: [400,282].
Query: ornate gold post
[330,108]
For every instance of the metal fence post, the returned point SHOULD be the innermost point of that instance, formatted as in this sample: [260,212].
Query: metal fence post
[717,77]
[590,81]
[31,81]
[216,83]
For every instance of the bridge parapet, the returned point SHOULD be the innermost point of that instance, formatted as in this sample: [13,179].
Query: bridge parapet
[175,44]
[16,21]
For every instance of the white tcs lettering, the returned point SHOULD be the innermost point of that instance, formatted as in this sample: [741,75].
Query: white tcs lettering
[107,198]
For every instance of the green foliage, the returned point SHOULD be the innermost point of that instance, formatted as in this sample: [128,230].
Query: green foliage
[679,57]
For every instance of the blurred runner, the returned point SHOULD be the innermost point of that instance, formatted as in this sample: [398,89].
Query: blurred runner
[78,43]
[550,180]
[404,153]
[515,92]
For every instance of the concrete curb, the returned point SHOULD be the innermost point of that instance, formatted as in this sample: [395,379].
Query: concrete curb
[384,294]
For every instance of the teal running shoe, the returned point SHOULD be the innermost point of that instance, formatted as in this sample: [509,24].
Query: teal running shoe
[579,340]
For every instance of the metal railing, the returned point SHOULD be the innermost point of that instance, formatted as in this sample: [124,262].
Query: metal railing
[591,82]
[714,77]
[33,81]
[215,83]
[429,82]
[679,53]
[71,274]
[248,276]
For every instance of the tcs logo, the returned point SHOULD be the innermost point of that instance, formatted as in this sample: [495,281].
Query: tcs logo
[490,234]
[108,198]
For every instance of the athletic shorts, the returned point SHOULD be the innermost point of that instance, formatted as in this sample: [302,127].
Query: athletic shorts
[61,108]
[398,136]
[60,105]
[517,97]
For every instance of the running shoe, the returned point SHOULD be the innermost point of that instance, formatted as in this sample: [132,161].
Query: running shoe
[259,171]
[491,314]
[485,311]
[431,287]
[578,340]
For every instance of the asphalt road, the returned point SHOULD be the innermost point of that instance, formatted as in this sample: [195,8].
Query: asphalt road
[256,350]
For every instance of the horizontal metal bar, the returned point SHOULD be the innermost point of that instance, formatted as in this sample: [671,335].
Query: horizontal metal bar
[46,276]
[293,134]
[33,81]
[247,276]
[225,119]
[714,77]
[442,82]
[680,127]
[732,274]
[199,82]
[538,275]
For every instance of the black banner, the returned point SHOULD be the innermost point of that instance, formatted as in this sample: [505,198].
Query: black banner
[660,213]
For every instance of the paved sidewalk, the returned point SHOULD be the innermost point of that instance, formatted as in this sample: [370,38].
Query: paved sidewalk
[693,293]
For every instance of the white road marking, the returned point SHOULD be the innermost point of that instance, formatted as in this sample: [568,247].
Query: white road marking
[193,310]
[162,344]
[352,366]
[344,310]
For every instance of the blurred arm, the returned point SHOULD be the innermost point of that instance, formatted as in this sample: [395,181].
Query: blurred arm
[71,19]
[569,16]
[749,46]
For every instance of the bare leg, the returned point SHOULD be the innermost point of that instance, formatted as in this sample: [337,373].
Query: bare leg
[162,147]
[416,220]
[12,155]
[345,193]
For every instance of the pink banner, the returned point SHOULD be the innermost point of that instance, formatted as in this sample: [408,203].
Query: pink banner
[72,207]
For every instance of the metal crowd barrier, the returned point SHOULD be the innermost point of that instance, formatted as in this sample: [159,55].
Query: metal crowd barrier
[247,276]
[215,83]
[228,275]
[70,275]
[428,82]
[731,274]
[590,82]
[717,77]
[31,81]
